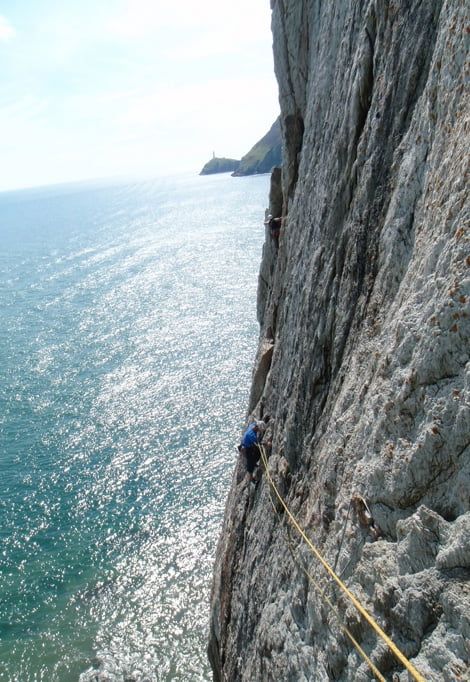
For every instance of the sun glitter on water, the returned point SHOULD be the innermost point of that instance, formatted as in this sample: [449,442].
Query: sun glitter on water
[126,352]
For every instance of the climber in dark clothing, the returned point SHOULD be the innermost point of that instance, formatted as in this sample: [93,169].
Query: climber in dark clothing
[250,445]
[275,225]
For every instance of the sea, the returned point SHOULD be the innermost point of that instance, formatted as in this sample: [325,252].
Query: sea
[127,337]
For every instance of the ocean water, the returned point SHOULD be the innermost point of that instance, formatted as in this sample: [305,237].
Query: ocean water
[127,336]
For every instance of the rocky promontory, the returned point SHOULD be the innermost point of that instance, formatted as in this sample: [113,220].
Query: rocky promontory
[262,157]
[363,359]
[220,165]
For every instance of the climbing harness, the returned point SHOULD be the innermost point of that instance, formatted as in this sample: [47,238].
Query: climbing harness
[416,675]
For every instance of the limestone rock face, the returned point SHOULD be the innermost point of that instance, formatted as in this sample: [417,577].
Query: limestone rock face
[364,357]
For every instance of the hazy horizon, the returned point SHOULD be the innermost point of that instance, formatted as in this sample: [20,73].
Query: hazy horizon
[110,181]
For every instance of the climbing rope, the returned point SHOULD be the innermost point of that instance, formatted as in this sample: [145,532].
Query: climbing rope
[416,675]
[321,593]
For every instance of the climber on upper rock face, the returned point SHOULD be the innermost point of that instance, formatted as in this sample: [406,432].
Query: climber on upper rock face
[275,225]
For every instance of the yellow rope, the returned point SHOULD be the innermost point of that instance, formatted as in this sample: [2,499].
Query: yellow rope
[392,646]
[325,598]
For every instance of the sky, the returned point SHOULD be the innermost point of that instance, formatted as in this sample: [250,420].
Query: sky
[130,87]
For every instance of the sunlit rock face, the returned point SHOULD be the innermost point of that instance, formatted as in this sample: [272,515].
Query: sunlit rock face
[366,306]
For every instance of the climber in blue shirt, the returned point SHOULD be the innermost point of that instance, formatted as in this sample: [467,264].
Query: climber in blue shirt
[250,445]
[251,436]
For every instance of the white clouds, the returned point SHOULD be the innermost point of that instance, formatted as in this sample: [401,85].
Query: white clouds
[6,29]
[223,101]
[177,128]
[146,86]
[20,112]
[222,21]
[168,130]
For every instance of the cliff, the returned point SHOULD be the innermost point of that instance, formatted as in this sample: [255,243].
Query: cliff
[261,158]
[264,155]
[363,357]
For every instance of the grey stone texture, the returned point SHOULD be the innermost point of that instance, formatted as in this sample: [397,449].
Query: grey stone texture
[363,359]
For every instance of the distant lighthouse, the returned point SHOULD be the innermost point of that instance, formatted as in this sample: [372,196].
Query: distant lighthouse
[213,155]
